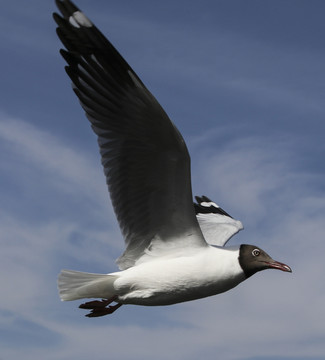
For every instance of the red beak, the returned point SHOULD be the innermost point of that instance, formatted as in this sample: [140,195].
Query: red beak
[277,265]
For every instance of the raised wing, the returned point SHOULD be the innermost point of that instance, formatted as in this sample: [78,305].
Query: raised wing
[217,226]
[145,159]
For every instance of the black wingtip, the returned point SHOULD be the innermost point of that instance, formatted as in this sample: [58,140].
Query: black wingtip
[203,209]
[57,18]
[66,7]
[205,198]
[202,198]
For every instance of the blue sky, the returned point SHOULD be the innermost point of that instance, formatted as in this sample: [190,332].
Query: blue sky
[244,83]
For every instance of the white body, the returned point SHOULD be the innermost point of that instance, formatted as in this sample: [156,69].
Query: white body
[164,280]
[169,281]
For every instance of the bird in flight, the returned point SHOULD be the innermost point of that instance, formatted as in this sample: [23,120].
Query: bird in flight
[175,250]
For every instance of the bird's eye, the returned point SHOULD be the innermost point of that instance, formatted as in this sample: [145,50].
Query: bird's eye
[256,252]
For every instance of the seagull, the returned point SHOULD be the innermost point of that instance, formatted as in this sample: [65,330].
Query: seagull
[175,249]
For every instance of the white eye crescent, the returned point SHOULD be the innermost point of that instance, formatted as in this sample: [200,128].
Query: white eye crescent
[256,252]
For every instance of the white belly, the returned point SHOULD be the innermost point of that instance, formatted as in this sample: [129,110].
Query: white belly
[166,281]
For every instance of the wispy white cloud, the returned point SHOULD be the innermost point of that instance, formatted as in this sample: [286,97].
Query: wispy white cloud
[65,168]
[34,242]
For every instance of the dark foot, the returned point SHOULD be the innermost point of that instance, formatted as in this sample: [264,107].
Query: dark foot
[99,307]
[103,311]
[96,303]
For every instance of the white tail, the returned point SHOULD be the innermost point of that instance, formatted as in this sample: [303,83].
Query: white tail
[75,285]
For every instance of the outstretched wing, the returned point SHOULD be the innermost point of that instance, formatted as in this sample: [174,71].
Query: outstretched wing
[145,159]
[217,226]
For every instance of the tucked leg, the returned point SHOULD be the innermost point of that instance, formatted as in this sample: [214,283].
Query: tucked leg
[99,307]
[103,311]
[97,303]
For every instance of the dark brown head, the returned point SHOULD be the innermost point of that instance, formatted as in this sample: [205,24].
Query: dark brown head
[253,259]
